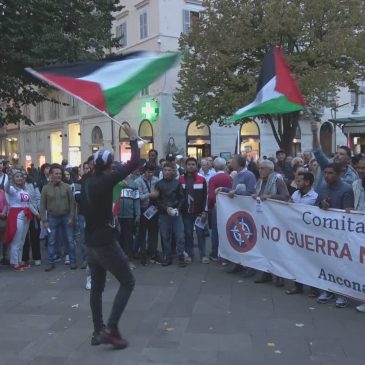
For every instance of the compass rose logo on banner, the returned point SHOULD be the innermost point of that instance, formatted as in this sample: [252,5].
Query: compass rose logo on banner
[241,232]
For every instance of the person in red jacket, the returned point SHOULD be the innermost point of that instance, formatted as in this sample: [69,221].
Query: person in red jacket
[220,180]
[194,210]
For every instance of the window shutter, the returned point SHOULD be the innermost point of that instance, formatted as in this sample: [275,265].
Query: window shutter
[186,21]
[141,26]
[124,34]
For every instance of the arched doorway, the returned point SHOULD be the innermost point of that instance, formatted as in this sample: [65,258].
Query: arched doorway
[124,146]
[198,140]
[146,132]
[297,141]
[250,140]
[325,138]
[97,141]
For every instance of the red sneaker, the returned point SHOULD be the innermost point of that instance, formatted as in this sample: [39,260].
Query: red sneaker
[25,265]
[17,268]
[113,338]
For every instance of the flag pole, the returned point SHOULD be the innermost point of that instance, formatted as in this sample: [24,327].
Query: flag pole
[238,151]
[115,121]
[38,76]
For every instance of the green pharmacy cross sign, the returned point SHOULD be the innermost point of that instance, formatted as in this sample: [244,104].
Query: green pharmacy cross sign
[150,111]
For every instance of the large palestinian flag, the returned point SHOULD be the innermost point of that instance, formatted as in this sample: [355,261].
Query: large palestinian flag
[108,84]
[277,91]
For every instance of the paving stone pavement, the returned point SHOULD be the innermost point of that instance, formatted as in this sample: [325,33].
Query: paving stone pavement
[195,315]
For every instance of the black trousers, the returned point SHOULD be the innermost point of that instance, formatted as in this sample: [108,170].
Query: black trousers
[32,242]
[127,226]
[100,260]
[149,226]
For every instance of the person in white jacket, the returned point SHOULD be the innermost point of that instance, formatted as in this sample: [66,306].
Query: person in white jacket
[20,213]
[32,241]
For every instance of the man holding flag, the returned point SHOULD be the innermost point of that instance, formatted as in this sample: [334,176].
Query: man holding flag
[107,85]
[104,252]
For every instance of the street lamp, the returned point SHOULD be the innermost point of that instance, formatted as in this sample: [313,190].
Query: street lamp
[356,104]
[334,109]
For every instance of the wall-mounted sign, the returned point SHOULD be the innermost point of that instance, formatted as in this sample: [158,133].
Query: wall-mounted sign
[150,110]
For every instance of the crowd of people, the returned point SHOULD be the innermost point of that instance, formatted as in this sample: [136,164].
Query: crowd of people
[161,203]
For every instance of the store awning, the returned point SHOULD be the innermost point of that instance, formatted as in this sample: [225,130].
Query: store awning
[351,125]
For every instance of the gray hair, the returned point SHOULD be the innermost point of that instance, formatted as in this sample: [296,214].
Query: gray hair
[267,163]
[296,160]
[220,163]
[206,161]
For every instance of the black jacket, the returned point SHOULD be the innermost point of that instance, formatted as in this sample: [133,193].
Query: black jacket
[97,200]
[171,194]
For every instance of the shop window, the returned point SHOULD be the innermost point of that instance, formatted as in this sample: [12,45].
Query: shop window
[198,140]
[74,144]
[250,140]
[97,141]
[56,146]
[146,132]
[124,146]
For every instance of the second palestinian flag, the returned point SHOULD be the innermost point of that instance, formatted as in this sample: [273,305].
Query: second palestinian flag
[108,84]
[277,91]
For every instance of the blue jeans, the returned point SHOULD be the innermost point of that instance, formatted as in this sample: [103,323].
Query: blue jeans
[100,260]
[172,225]
[61,223]
[79,235]
[215,239]
[189,223]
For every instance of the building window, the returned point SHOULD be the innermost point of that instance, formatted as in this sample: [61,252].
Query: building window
[73,106]
[26,111]
[39,112]
[143,25]
[145,91]
[121,33]
[54,110]
[189,18]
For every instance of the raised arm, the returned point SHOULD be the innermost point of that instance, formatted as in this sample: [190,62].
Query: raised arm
[124,170]
[315,141]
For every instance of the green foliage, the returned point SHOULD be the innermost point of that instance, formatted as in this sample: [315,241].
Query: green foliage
[322,39]
[41,32]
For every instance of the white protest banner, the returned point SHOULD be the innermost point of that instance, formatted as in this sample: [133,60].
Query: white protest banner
[324,249]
